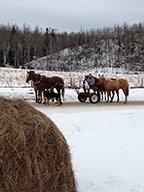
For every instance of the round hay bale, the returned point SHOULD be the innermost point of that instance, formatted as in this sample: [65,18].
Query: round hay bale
[34,155]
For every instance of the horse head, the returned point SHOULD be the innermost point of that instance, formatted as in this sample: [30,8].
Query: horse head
[101,79]
[86,77]
[29,76]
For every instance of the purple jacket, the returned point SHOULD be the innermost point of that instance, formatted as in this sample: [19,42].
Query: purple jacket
[91,81]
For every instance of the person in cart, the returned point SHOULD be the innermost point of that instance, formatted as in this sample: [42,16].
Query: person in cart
[89,83]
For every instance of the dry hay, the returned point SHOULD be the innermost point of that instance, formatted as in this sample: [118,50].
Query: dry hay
[34,155]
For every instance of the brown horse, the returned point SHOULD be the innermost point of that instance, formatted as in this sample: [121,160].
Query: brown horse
[115,85]
[42,82]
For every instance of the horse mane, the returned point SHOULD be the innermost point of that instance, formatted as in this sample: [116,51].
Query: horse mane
[113,79]
[39,77]
[32,71]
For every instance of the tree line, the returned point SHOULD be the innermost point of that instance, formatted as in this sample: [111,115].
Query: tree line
[123,44]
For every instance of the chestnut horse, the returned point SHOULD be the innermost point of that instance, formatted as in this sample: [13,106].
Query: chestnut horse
[41,82]
[115,85]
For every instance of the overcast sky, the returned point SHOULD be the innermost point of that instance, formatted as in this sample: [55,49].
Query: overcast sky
[71,15]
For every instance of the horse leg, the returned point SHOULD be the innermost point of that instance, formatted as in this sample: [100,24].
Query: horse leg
[43,97]
[102,92]
[125,99]
[52,91]
[36,96]
[105,94]
[108,95]
[125,92]
[113,93]
[39,97]
[58,90]
[60,96]
[117,92]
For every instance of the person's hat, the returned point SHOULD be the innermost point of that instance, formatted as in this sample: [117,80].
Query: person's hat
[90,74]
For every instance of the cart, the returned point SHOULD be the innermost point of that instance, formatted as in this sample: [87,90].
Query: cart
[93,94]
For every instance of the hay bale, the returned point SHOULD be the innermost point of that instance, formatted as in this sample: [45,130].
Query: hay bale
[34,155]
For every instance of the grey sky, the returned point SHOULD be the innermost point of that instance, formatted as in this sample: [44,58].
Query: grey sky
[71,15]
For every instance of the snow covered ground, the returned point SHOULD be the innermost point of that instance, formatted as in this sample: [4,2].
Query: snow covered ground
[17,77]
[106,139]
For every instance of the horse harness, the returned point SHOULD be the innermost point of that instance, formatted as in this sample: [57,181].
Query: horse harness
[38,80]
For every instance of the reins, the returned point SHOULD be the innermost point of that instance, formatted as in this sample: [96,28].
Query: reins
[54,86]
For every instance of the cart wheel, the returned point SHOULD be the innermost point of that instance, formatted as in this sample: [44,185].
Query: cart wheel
[82,97]
[94,98]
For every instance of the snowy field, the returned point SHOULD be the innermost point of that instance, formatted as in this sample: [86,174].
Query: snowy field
[106,139]
[17,77]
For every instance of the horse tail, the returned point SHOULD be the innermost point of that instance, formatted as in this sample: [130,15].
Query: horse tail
[127,89]
[63,90]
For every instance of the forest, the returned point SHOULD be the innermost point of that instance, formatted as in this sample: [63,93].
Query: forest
[120,46]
